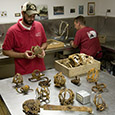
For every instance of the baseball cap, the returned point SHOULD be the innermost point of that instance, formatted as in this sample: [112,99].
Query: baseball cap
[30,8]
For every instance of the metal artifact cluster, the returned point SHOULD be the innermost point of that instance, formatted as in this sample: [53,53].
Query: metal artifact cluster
[17,79]
[31,107]
[45,81]
[92,75]
[64,100]
[36,50]
[67,63]
[36,75]
[43,94]
[86,59]
[66,96]
[98,87]
[59,80]
[24,89]
[77,59]
[99,102]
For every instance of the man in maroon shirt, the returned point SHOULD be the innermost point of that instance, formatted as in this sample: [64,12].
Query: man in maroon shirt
[86,39]
[21,37]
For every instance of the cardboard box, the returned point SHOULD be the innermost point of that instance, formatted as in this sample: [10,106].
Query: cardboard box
[74,71]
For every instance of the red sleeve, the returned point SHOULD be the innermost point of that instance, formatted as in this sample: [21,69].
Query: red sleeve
[77,39]
[8,42]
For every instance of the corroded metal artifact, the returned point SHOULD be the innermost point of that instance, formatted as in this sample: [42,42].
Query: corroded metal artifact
[76,81]
[43,94]
[98,87]
[67,108]
[59,80]
[24,89]
[67,63]
[86,59]
[31,107]
[63,96]
[17,79]
[75,60]
[45,82]
[36,75]
[92,75]
[36,50]
[99,102]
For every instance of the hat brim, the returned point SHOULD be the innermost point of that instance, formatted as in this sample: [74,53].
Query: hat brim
[31,12]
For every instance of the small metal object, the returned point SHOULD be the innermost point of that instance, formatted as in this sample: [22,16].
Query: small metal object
[17,79]
[76,81]
[92,75]
[86,59]
[98,87]
[59,80]
[31,107]
[99,102]
[36,50]
[67,63]
[36,75]
[24,89]
[43,94]
[75,60]
[63,96]
[63,30]
[45,82]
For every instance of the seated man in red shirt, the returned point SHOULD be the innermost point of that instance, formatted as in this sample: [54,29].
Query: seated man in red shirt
[86,39]
[21,37]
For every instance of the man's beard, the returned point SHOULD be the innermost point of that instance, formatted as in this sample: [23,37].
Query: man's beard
[27,21]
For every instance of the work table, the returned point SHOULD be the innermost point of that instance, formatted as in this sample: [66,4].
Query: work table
[14,100]
[66,47]
[109,45]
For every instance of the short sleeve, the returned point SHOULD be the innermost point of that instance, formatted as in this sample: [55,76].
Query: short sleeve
[8,41]
[77,39]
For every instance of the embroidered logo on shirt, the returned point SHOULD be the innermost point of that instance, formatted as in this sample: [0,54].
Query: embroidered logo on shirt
[38,34]
[92,34]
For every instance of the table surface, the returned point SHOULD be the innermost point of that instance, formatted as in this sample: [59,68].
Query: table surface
[66,47]
[14,100]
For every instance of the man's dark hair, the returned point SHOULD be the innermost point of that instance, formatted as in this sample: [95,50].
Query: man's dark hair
[80,19]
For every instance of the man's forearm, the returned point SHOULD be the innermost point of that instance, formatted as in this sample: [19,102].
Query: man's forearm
[72,44]
[13,54]
[44,46]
